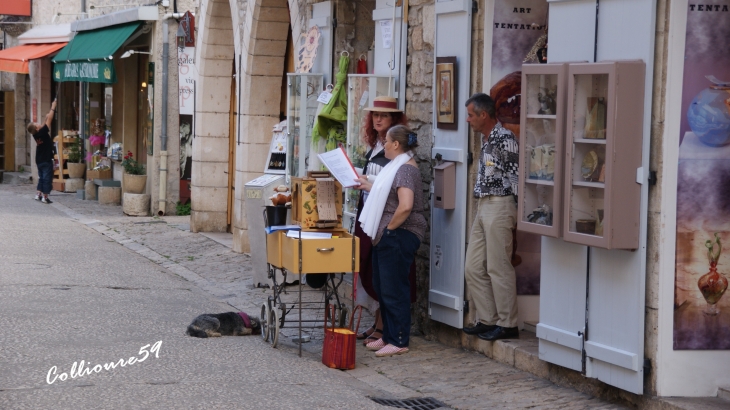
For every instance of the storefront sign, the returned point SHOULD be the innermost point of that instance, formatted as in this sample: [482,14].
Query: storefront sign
[93,72]
[186,93]
[16,7]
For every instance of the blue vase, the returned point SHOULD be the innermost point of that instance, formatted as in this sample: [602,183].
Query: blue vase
[709,116]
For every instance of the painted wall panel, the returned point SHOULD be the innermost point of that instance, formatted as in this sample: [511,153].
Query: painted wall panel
[572,29]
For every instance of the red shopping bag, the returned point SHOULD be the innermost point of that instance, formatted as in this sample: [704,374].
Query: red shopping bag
[338,351]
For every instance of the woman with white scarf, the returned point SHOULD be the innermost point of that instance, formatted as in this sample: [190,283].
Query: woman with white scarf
[392,217]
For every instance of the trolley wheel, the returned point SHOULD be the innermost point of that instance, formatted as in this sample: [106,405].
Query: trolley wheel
[264,320]
[342,320]
[274,327]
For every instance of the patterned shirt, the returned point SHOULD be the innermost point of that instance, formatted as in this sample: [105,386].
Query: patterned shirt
[498,165]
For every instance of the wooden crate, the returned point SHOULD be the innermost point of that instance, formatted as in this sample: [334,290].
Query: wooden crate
[321,255]
[92,174]
[273,247]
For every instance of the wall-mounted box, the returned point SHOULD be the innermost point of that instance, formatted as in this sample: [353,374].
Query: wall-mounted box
[444,185]
[603,152]
[542,148]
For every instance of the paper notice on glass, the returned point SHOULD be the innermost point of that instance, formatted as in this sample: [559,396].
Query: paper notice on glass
[386,31]
[340,166]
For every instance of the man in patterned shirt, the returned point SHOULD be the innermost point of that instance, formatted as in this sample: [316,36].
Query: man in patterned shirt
[489,273]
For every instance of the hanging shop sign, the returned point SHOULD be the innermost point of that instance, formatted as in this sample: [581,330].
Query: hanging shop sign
[186,91]
[16,8]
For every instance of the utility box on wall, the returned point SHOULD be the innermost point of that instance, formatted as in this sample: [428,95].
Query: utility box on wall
[444,186]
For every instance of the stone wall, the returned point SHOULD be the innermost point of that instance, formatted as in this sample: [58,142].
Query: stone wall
[419,103]
[653,244]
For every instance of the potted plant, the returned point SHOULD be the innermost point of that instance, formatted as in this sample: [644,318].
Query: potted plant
[75,167]
[135,177]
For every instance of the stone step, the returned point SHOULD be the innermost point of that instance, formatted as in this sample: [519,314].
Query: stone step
[530,326]
[17,178]
[724,392]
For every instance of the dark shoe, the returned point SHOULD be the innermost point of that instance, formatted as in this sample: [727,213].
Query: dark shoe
[500,332]
[478,329]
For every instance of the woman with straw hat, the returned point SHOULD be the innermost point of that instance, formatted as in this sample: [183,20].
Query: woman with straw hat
[381,116]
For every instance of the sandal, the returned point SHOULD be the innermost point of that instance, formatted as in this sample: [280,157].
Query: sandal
[391,350]
[377,334]
[364,335]
[376,345]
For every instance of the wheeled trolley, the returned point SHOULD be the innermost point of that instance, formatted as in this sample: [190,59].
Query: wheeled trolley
[329,257]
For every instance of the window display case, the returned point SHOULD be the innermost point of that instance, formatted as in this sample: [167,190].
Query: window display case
[603,154]
[542,129]
[361,91]
[301,109]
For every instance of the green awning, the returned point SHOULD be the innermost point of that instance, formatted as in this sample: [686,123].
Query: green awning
[88,57]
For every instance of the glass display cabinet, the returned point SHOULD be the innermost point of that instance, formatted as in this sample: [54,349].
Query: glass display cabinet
[603,154]
[361,91]
[542,136]
[301,109]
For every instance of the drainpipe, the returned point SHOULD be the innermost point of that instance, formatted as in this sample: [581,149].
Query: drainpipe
[162,201]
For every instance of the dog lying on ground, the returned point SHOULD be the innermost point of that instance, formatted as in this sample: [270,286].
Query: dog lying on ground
[224,324]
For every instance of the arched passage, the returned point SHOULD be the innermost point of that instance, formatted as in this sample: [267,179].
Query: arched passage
[254,35]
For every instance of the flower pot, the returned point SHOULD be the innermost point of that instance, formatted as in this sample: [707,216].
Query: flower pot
[134,184]
[76,170]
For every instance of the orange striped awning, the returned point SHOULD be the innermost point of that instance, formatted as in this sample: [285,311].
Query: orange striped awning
[15,59]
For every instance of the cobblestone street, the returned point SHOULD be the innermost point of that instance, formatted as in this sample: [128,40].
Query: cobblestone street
[458,378]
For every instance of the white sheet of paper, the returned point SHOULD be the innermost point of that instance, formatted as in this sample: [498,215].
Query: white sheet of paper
[326,199]
[340,166]
[309,235]
[386,31]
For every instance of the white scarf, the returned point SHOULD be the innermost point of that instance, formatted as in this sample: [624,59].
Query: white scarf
[372,212]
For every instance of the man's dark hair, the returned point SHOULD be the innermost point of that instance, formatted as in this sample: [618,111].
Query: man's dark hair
[482,103]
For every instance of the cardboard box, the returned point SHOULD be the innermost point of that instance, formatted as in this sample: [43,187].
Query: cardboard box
[92,174]
[304,202]
[321,255]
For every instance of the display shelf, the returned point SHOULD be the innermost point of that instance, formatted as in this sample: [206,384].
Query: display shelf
[589,141]
[542,117]
[589,184]
[361,91]
[604,123]
[542,126]
[539,182]
[301,106]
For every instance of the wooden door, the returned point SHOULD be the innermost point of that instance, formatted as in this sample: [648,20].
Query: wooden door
[7,131]
[232,150]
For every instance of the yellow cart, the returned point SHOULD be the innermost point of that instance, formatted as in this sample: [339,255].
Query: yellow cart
[333,257]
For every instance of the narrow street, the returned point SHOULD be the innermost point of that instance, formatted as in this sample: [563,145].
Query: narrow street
[80,281]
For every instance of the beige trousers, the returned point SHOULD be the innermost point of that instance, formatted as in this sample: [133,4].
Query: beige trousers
[489,273]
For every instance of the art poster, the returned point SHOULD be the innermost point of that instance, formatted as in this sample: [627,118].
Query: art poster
[186,91]
[446,93]
[518,24]
[701,304]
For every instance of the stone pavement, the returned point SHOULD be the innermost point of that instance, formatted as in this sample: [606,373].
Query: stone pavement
[461,379]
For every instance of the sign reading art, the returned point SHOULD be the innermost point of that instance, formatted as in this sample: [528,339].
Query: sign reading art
[92,72]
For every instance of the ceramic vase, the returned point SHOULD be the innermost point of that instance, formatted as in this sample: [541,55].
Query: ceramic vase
[712,284]
[134,184]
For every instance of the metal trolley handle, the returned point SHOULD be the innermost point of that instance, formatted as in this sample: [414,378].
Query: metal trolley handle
[326,249]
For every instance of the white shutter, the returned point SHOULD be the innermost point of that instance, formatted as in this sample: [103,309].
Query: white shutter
[449,227]
[614,346]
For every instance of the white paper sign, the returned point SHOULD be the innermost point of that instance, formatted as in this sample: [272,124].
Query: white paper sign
[340,166]
[386,31]
[364,98]
[324,97]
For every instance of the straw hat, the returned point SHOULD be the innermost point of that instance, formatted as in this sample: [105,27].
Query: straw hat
[384,104]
